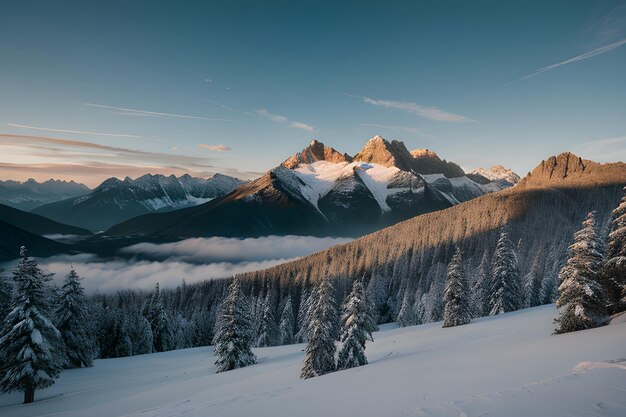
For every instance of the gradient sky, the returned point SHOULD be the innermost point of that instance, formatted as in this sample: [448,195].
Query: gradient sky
[91,89]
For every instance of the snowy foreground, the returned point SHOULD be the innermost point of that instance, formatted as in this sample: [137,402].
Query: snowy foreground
[508,365]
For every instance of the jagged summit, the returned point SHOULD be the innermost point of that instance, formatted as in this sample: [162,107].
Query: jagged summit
[568,168]
[423,152]
[316,151]
[380,151]
[428,162]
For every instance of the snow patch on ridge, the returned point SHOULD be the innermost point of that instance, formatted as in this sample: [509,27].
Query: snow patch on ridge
[320,177]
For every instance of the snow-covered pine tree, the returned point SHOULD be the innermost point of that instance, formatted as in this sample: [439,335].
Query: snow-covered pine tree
[533,285]
[506,286]
[614,272]
[406,315]
[140,334]
[73,323]
[457,310]
[233,334]
[582,299]
[378,294]
[319,357]
[287,323]
[304,316]
[481,288]
[267,326]
[159,322]
[31,355]
[357,327]
[5,296]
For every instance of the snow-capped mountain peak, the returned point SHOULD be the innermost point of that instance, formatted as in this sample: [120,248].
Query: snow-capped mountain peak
[498,173]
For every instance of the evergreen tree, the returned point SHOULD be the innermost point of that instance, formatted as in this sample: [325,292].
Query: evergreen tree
[287,323]
[159,322]
[233,333]
[304,316]
[481,288]
[73,323]
[614,273]
[5,296]
[506,287]
[267,325]
[378,294]
[456,294]
[357,326]
[319,357]
[406,315]
[533,285]
[549,290]
[31,355]
[140,334]
[582,299]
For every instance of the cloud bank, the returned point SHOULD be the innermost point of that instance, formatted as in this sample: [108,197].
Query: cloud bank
[194,260]
[220,249]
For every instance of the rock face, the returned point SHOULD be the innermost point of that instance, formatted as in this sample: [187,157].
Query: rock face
[316,151]
[428,162]
[379,151]
[567,168]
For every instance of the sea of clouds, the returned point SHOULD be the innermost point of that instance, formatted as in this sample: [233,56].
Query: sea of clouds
[192,260]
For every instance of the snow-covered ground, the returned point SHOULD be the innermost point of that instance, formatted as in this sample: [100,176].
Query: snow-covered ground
[508,365]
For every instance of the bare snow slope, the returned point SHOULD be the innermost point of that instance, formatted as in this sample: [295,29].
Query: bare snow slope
[502,366]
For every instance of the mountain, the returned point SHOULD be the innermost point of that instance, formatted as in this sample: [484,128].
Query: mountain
[30,194]
[36,224]
[12,238]
[115,200]
[542,213]
[322,192]
[495,173]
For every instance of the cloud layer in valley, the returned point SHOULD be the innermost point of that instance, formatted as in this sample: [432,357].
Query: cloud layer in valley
[192,260]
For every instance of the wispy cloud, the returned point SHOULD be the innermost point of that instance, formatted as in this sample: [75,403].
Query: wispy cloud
[273,117]
[137,112]
[432,113]
[303,126]
[224,106]
[214,148]
[608,149]
[78,132]
[22,155]
[407,129]
[282,119]
[598,51]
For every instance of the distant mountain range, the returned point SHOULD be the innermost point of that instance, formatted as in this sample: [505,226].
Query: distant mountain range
[320,191]
[30,194]
[115,200]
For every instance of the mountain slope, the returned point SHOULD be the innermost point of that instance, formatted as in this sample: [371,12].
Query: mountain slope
[543,212]
[12,238]
[36,224]
[508,366]
[320,192]
[30,194]
[114,200]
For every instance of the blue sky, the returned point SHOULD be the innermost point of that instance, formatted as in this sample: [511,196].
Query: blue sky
[91,89]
